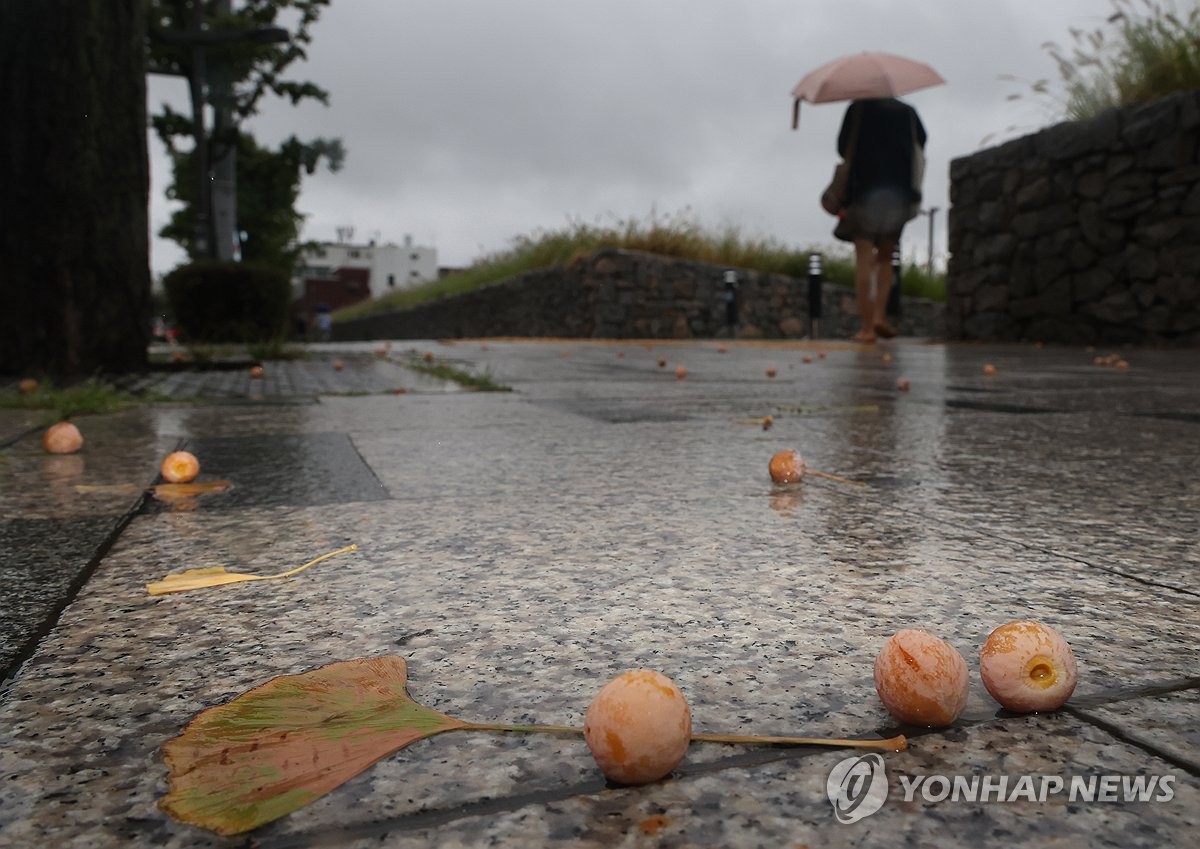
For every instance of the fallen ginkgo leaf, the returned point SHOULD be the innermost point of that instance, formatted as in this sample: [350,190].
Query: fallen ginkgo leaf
[290,741]
[173,491]
[215,576]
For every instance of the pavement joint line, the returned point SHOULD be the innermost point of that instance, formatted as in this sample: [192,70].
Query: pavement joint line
[1117,696]
[367,466]
[1132,739]
[750,758]
[490,806]
[29,648]
[11,441]
[432,818]
[1137,579]
[1041,549]
[1141,728]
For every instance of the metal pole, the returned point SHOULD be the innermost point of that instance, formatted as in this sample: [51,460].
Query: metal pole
[224,181]
[214,224]
[932,212]
[202,226]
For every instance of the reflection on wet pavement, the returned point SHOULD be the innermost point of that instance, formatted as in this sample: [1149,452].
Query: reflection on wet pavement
[518,549]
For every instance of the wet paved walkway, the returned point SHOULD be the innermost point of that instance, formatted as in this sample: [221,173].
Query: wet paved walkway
[520,548]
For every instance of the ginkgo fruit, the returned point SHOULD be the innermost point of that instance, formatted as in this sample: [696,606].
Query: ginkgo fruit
[921,679]
[180,467]
[786,467]
[638,727]
[62,438]
[1028,666]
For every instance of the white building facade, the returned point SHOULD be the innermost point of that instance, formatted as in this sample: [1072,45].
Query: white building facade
[391,267]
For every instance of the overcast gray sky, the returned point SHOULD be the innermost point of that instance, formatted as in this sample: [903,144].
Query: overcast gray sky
[470,123]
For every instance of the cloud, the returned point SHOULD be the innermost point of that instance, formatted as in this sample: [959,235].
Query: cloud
[470,123]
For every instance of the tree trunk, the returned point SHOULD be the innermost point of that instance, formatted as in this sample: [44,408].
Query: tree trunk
[74,187]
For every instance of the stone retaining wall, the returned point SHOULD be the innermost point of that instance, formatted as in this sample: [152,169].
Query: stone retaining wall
[1086,232]
[617,294]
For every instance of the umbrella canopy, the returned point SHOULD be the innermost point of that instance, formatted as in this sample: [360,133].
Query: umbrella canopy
[863,75]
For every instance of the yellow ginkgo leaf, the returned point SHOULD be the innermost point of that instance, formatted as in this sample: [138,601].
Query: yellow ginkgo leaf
[215,576]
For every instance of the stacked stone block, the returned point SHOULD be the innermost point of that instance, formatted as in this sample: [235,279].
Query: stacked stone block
[1086,232]
[619,294]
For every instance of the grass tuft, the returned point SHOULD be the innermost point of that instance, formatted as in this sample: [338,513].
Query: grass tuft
[90,397]
[1144,51]
[275,349]
[444,371]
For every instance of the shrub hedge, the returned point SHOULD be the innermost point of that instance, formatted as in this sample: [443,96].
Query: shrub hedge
[215,301]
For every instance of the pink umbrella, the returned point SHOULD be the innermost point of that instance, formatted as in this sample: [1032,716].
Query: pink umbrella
[863,75]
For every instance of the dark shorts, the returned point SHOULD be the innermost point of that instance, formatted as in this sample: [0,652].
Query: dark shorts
[878,216]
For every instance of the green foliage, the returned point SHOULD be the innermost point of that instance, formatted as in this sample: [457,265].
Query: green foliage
[917,282]
[268,181]
[85,398]
[228,302]
[482,382]
[677,236]
[275,349]
[256,68]
[1145,51]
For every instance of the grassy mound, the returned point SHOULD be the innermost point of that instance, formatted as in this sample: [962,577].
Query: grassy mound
[675,236]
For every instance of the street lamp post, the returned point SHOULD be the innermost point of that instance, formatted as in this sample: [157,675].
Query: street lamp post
[214,228]
[931,212]
[224,157]
[202,231]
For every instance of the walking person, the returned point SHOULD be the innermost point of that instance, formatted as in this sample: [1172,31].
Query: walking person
[883,140]
[324,323]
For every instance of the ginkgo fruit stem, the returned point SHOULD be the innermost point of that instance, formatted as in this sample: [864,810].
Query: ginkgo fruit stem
[533,729]
[834,477]
[314,562]
[892,744]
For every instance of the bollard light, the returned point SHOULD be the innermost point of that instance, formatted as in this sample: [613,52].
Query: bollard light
[893,304]
[816,286]
[731,305]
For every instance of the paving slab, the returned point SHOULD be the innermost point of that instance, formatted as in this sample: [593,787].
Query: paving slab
[518,549]
[58,513]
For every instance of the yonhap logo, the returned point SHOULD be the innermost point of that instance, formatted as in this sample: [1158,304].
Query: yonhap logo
[857,787]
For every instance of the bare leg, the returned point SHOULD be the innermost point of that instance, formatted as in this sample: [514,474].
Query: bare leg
[883,287]
[864,269]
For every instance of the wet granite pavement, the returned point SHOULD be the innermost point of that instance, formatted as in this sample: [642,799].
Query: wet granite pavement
[517,549]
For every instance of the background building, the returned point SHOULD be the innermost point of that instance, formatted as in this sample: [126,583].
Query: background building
[337,274]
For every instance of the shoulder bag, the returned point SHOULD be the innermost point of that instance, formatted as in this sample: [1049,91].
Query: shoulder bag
[835,196]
